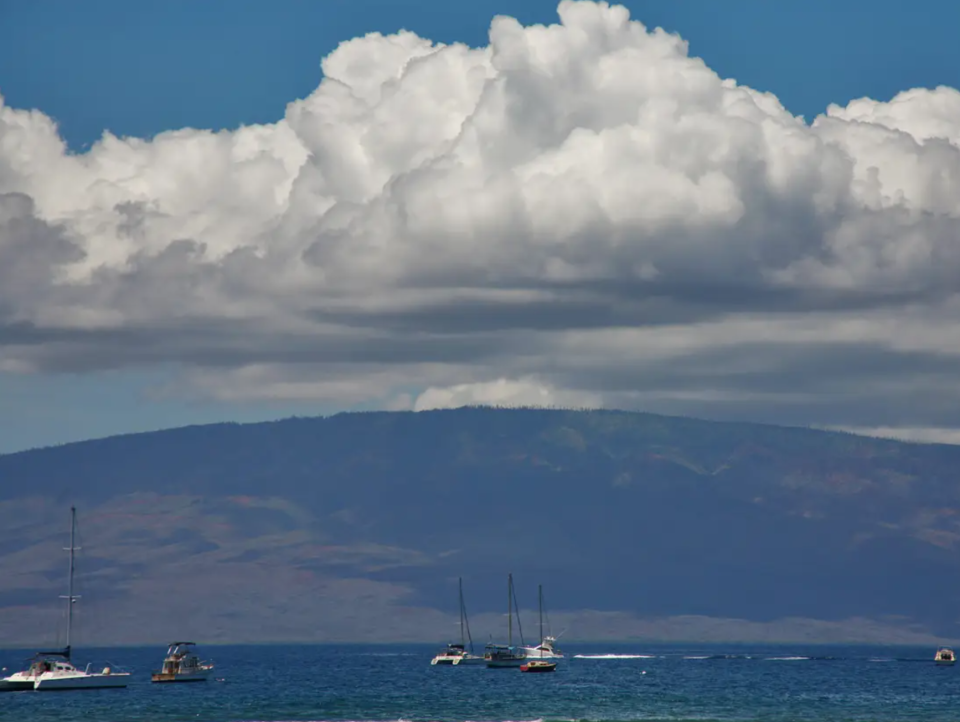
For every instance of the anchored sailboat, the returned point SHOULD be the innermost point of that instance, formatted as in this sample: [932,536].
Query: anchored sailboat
[54,670]
[506,655]
[539,664]
[457,653]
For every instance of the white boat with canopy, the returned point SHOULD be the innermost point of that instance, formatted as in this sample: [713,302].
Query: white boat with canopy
[182,664]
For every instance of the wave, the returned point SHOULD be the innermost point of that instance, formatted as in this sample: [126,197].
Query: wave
[788,659]
[614,656]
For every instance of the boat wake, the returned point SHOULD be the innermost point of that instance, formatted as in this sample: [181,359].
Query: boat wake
[614,656]
[787,659]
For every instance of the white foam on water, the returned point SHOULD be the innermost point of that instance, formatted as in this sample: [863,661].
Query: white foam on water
[787,659]
[614,656]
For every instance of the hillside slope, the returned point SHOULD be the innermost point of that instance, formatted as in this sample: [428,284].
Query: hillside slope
[357,525]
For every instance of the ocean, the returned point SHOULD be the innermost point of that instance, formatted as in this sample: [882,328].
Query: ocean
[596,682]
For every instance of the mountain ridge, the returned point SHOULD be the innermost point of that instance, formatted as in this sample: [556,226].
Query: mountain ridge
[357,523]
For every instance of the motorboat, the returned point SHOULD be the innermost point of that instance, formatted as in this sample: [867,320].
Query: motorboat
[182,665]
[537,662]
[547,648]
[945,656]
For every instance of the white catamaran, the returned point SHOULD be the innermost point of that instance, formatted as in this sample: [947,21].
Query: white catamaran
[54,670]
[506,655]
[457,654]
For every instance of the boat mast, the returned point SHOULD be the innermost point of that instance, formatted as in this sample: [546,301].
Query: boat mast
[463,639]
[71,597]
[466,619]
[510,609]
[540,601]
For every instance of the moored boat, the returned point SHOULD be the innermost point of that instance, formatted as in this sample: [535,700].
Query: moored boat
[182,665]
[546,649]
[55,670]
[506,655]
[457,654]
[539,664]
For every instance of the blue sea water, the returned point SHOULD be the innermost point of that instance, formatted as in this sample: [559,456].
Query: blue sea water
[597,682]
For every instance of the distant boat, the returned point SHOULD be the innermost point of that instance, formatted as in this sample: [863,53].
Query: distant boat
[506,655]
[539,664]
[456,654]
[54,670]
[182,665]
[546,648]
[945,656]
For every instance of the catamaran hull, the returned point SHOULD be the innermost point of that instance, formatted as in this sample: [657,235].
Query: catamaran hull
[16,685]
[470,661]
[92,681]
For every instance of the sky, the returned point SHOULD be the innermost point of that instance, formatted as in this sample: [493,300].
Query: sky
[237,211]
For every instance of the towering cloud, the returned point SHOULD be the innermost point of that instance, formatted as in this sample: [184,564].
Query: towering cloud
[575,214]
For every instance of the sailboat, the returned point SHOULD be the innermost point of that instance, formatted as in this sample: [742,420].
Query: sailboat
[457,653]
[54,670]
[546,648]
[506,655]
[539,664]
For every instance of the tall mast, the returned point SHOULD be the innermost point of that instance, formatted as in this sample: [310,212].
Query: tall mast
[540,600]
[466,619]
[463,639]
[71,597]
[510,609]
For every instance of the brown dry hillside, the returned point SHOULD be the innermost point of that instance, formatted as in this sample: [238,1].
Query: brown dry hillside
[356,526]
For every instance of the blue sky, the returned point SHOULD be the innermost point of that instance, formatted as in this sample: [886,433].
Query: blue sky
[141,68]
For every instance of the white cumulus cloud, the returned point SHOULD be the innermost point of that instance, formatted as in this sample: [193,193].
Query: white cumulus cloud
[504,392]
[576,214]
